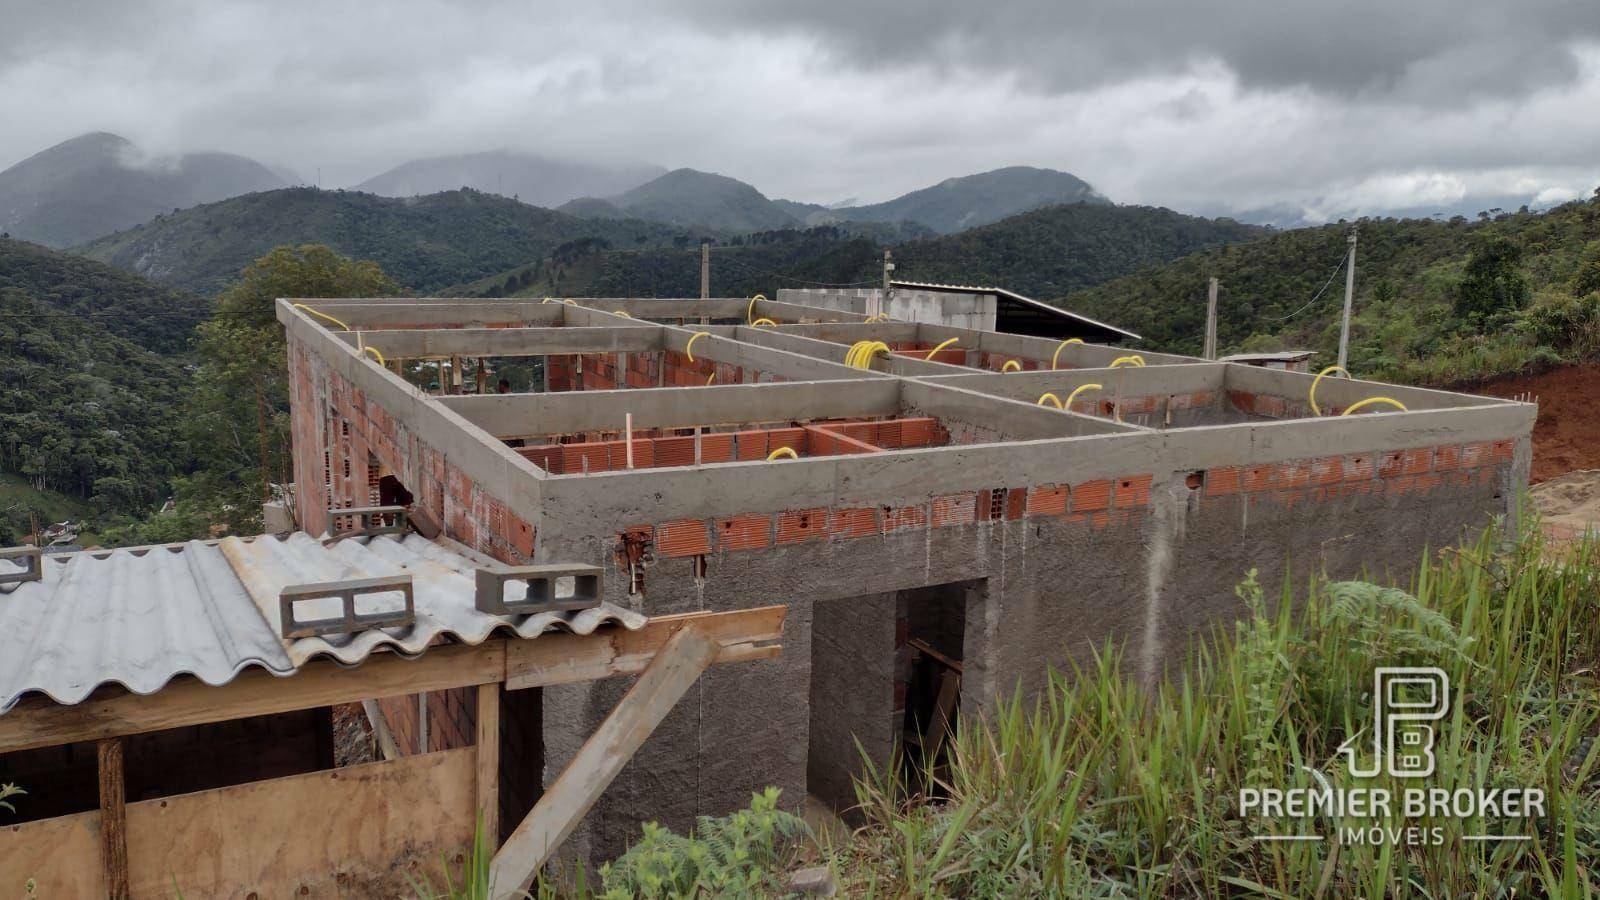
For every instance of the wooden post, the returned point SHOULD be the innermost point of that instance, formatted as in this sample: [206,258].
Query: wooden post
[489,761]
[675,668]
[113,819]
[1211,319]
[705,271]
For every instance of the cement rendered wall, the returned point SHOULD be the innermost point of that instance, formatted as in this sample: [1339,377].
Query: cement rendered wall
[975,311]
[1120,536]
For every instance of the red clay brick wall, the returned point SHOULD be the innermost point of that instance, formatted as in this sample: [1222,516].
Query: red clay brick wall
[1098,502]
[326,408]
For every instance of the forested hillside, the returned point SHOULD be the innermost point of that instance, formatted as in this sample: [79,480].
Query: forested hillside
[1435,301]
[148,314]
[424,242]
[1042,253]
[88,413]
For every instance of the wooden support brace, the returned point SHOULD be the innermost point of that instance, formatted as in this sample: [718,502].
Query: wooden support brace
[489,761]
[113,819]
[673,670]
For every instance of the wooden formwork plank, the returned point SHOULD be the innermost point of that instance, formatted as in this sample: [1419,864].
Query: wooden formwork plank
[488,759]
[358,830]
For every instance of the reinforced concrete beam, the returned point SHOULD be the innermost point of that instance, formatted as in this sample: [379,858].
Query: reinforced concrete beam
[566,412]
[1342,392]
[1125,381]
[416,343]
[414,312]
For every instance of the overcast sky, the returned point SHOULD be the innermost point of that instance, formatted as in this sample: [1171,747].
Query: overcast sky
[1326,108]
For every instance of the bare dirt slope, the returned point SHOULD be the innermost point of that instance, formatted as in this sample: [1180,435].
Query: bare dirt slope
[1566,437]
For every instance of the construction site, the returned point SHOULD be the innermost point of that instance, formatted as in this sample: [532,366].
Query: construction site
[714,545]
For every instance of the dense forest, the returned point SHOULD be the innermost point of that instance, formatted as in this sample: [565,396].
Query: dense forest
[424,243]
[1435,302]
[1044,253]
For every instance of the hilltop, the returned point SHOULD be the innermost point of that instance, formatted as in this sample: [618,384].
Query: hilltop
[528,177]
[1416,284]
[424,243]
[98,183]
[957,204]
[693,199]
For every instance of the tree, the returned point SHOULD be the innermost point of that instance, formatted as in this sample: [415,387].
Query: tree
[1493,283]
[238,418]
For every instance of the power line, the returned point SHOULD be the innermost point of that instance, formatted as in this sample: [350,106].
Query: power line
[1331,275]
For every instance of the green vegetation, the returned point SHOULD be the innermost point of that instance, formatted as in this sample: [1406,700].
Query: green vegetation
[1436,302]
[973,200]
[1107,787]
[423,242]
[88,413]
[154,317]
[738,855]
[1042,253]
[235,409]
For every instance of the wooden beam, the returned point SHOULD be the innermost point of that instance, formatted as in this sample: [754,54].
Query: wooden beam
[674,669]
[44,723]
[741,636]
[554,658]
[113,819]
[488,781]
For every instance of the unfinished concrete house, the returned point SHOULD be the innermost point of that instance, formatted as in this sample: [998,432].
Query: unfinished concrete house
[936,515]
[946,513]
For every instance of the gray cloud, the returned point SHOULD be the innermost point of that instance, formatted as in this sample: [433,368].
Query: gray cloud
[1329,109]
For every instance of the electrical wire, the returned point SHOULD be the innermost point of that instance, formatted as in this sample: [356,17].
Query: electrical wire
[1342,260]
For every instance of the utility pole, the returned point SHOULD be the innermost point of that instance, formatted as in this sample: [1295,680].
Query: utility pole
[888,269]
[705,270]
[1211,319]
[1349,292]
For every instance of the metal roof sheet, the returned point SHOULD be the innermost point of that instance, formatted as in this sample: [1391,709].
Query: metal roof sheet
[139,618]
[1014,297]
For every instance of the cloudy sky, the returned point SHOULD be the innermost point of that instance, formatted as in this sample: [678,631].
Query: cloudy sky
[1321,109]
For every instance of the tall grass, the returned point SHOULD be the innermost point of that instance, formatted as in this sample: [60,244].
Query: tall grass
[1101,786]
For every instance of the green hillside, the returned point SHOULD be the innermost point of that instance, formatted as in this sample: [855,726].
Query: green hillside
[88,413]
[973,200]
[1042,253]
[148,314]
[424,243]
[1435,301]
[692,199]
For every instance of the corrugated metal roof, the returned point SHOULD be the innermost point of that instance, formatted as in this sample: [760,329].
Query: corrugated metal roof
[139,618]
[1014,297]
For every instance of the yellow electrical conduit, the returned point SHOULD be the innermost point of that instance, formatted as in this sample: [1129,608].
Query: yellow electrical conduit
[711,379]
[1051,397]
[1011,366]
[1078,390]
[1060,347]
[1390,400]
[622,313]
[861,353]
[750,311]
[762,322]
[374,352]
[782,451]
[1130,360]
[322,315]
[876,318]
[688,349]
[1315,410]
[935,350]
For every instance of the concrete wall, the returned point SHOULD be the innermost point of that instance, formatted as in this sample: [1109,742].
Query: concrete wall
[960,310]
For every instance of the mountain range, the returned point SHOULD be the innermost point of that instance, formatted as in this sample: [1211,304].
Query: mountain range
[422,242]
[704,200]
[98,183]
